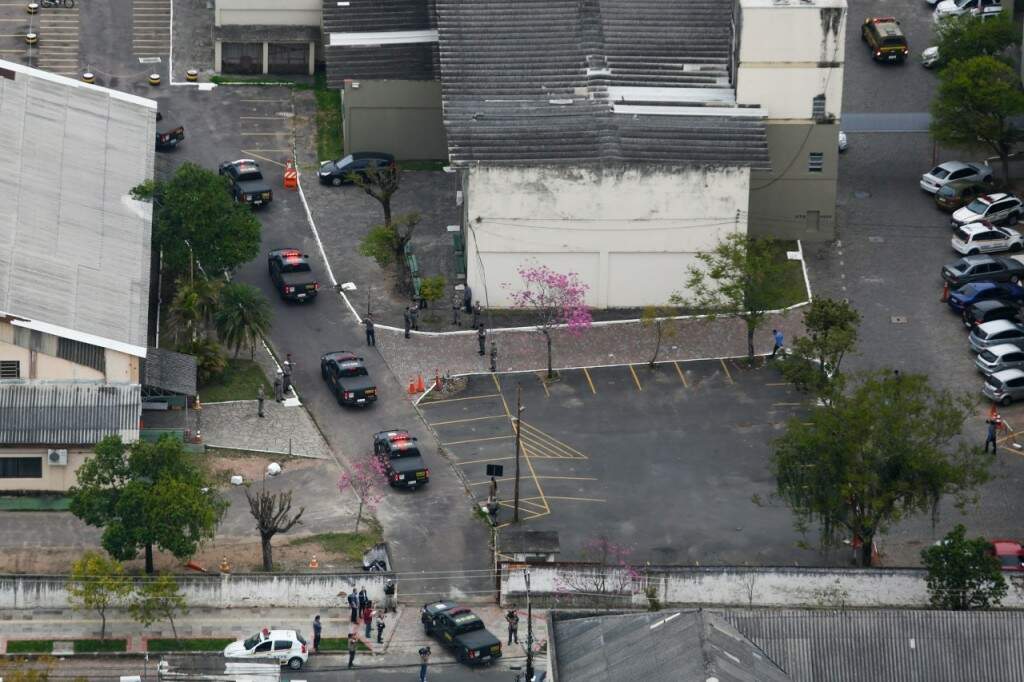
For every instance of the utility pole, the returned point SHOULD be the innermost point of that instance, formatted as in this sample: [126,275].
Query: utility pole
[529,629]
[518,425]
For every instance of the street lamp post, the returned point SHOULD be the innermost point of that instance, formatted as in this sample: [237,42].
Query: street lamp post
[519,429]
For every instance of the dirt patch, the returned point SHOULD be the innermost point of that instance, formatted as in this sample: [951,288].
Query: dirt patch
[222,467]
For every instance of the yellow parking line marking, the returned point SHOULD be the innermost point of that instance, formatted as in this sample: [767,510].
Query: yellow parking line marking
[516,424]
[476,440]
[726,368]
[467,419]
[481,461]
[635,378]
[589,381]
[452,400]
[539,450]
[262,158]
[577,499]
[680,373]
[779,383]
[534,432]
[565,478]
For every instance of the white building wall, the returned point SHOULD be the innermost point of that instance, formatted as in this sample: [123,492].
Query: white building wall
[629,232]
[268,12]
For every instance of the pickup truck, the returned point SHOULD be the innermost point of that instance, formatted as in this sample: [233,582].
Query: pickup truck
[247,183]
[347,378]
[462,631]
[167,136]
[399,454]
[292,277]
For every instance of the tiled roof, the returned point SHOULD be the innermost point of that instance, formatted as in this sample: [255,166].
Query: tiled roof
[412,61]
[68,413]
[573,81]
[169,371]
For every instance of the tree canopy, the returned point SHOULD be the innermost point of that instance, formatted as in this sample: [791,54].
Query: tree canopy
[960,38]
[962,573]
[143,495]
[886,448]
[831,333]
[243,317]
[98,583]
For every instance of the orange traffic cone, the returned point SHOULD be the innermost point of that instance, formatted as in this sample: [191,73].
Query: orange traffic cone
[291,176]
[313,563]
[437,380]
[993,412]
[945,292]
[420,386]
[225,567]
[412,387]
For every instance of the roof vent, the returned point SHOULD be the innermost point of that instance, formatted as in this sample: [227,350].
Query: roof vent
[560,101]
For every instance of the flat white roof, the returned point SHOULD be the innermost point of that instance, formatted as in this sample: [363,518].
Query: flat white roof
[373,38]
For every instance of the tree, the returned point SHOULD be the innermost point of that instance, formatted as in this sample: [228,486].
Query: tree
[962,573]
[960,38]
[363,479]
[98,583]
[386,243]
[655,317]
[380,182]
[813,366]
[610,574]
[741,276]
[158,599]
[978,101]
[210,359]
[886,449]
[243,317]
[143,495]
[432,288]
[196,208]
[273,514]
[552,299]
[193,306]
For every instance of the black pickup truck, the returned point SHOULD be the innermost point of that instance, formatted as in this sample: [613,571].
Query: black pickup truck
[399,454]
[247,183]
[292,277]
[347,378]
[167,135]
[462,631]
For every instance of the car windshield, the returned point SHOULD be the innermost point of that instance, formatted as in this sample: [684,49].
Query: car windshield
[993,382]
[252,641]
[978,206]
[343,161]
[298,636]
[352,371]
[988,356]
[962,234]
[893,41]
[947,191]
[960,266]
[1009,560]
[939,172]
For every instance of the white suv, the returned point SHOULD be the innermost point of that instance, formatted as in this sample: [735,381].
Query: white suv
[995,208]
[955,8]
[984,237]
[287,647]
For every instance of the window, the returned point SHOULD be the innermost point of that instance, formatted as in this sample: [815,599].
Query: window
[818,107]
[282,645]
[10,369]
[265,646]
[21,467]
[815,162]
[82,354]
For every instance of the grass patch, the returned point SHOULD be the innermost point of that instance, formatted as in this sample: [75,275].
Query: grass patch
[340,644]
[423,165]
[794,289]
[348,545]
[30,646]
[253,80]
[102,646]
[34,503]
[329,142]
[198,644]
[239,381]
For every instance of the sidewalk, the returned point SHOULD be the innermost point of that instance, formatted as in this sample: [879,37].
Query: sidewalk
[402,638]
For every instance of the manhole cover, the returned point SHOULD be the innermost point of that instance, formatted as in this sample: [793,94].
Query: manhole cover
[861,194]
[898,319]
[876,240]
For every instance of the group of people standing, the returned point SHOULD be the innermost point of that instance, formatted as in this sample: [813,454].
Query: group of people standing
[361,610]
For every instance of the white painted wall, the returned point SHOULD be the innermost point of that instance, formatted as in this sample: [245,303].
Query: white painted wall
[629,232]
[268,12]
[788,53]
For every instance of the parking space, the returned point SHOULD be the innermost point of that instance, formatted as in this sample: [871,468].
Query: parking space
[265,128]
[665,460]
[58,41]
[151,28]
[15,22]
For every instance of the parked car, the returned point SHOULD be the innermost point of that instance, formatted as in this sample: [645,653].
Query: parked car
[168,135]
[930,57]
[995,208]
[984,237]
[346,376]
[983,269]
[994,333]
[974,292]
[987,311]
[399,455]
[1009,553]
[292,277]
[461,630]
[843,143]
[1004,387]
[885,39]
[337,172]
[286,646]
[955,8]
[954,170]
[997,358]
[247,183]
[953,195]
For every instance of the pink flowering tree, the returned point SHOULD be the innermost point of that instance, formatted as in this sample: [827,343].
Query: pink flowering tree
[363,478]
[554,299]
[607,571]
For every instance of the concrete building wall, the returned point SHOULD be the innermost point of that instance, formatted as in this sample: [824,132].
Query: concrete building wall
[267,12]
[44,365]
[55,478]
[402,117]
[629,232]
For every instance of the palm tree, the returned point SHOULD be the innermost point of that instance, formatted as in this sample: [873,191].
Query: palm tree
[243,316]
[193,307]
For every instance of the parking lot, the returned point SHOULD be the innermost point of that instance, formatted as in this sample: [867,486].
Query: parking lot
[57,29]
[664,460]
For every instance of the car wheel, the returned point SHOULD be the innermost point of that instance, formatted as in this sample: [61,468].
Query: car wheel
[987,179]
[295,663]
[337,395]
[972,252]
[323,372]
[1017,247]
[1006,400]
[336,181]
[461,656]
[1015,280]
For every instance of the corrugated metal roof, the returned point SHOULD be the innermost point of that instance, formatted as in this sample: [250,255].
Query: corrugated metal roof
[74,246]
[169,371]
[674,645]
[41,413]
[884,645]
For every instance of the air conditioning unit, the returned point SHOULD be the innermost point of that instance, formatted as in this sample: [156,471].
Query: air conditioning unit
[57,458]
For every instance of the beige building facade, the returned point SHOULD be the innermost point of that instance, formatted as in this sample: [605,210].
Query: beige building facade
[279,37]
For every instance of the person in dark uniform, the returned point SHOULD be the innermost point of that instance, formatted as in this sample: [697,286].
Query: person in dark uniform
[371,336]
[481,337]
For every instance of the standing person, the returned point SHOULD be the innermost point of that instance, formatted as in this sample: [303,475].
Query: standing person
[278,387]
[481,337]
[457,309]
[286,376]
[317,630]
[477,313]
[367,618]
[378,618]
[371,336]
[414,315]
[362,598]
[351,649]
[260,397]
[777,339]
[353,605]
[993,427]
[512,618]
[494,356]
[424,659]
[407,318]
[389,595]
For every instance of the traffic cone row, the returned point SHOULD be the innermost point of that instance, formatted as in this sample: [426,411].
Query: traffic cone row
[417,385]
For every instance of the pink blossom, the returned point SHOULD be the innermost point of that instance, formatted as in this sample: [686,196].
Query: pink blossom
[363,478]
